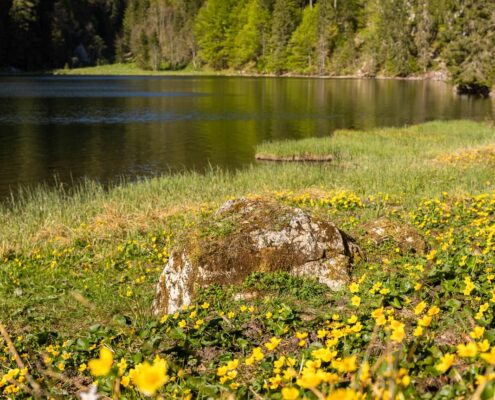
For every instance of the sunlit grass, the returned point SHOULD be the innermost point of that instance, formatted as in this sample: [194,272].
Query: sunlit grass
[130,69]
[78,269]
[394,160]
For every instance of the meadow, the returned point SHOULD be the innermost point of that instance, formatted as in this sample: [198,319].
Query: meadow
[79,267]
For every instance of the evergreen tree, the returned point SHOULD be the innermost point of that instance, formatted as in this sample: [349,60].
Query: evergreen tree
[213,32]
[470,40]
[24,20]
[285,19]
[251,39]
[302,57]
[393,37]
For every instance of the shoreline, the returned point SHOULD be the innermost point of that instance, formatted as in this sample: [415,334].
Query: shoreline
[132,70]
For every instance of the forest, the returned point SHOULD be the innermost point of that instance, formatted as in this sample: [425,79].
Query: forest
[397,38]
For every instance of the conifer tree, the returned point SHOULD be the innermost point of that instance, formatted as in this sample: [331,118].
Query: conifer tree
[213,32]
[285,18]
[302,57]
[250,40]
[470,40]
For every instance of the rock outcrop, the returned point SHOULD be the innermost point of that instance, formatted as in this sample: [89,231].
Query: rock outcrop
[401,235]
[252,235]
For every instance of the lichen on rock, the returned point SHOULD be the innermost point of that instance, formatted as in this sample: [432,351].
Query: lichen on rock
[254,235]
[407,238]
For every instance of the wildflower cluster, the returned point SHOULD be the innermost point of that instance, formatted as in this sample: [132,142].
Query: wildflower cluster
[406,325]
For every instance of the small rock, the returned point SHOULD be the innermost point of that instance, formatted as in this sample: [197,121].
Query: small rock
[246,236]
[404,236]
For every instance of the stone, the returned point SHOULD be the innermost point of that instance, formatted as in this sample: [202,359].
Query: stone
[254,235]
[401,235]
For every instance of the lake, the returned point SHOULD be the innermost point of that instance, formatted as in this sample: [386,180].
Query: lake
[108,127]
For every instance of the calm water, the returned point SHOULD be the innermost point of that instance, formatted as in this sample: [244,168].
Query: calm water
[105,128]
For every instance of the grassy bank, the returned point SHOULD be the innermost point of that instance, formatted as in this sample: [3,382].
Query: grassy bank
[79,268]
[129,69]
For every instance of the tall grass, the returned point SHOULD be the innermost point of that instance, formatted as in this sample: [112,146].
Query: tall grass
[396,161]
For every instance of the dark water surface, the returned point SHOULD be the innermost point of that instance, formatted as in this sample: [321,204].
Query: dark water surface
[108,127]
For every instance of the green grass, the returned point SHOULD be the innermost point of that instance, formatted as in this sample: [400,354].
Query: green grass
[394,160]
[129,69]
[311,147]
[82,264]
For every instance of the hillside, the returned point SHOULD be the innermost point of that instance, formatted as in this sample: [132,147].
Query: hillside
[446,39]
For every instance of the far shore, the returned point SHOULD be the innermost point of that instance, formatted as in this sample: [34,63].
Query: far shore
[133,70]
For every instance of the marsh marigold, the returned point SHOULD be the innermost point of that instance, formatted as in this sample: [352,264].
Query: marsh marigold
[148,378]
[101,366]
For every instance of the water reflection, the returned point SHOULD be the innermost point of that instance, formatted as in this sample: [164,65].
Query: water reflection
[104,128]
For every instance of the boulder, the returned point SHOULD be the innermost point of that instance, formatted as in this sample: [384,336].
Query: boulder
[401,235]
[254,235]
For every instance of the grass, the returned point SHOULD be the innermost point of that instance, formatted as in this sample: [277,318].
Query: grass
[309,148]
[393,161]
[129,69]
[78,270]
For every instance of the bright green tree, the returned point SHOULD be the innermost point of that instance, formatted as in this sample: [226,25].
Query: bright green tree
[285,19]
[251,39]
[213,32]
[302,57]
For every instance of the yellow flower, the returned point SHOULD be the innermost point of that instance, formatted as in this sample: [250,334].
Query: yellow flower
[418,331]
[231,315]
[445,363]
[419,308]
[489,357]
[125,381]
[148,378]
[348,364]
[417,286]
[477,332]
[356,301]
[279,363]
[290,393]
[301,335]
[467,350]
[398,333]
[385,291]
[233,364]
[122,366]
[289,373]
[469,286]
[275,381]
[324,354]
[205,305]
[291,361]
[101,366]
[425,321]
[433,311]
[257,355]
[268,315]
[273,343]
[483,346]
[343,394]
[354,287]
[82,367]
[182,323]
[310,379]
